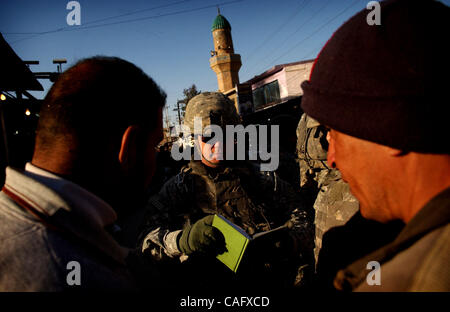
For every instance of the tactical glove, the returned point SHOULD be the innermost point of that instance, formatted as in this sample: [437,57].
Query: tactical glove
[203,238]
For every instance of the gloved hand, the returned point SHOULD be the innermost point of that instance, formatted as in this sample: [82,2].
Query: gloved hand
[301,230]
[202,237]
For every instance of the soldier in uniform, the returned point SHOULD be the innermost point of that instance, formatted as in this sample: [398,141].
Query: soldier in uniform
[179,217]
[333,203]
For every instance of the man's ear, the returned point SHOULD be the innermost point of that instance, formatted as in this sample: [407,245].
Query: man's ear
[128,148]
[331,160]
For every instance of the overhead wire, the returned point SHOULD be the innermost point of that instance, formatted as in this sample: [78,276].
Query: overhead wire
[36,34]
[317,30]
[277,30]
[71,28]
[305,22]
[296,76]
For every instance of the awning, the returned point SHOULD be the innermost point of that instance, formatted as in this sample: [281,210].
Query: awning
[14,74]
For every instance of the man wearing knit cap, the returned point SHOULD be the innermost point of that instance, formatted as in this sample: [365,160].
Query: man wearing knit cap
[381,90]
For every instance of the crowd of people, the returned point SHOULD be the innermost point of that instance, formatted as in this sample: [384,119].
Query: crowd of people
[374,180]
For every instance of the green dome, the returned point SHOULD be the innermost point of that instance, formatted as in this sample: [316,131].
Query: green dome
[220,23]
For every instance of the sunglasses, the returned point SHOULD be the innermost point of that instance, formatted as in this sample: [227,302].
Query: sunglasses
[206,139]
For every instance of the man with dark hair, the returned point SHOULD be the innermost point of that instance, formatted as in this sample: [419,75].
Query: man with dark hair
[84,117]
[98,127]
[381,89]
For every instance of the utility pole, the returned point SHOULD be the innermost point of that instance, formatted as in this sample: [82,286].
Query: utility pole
[167,118]
[167,132]
[52,76]
[59,63]
[178,109]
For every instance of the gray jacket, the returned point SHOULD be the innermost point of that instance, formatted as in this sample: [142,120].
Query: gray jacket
[417,260]
[52,236]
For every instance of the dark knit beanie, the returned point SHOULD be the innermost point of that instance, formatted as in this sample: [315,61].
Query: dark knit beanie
[387,83]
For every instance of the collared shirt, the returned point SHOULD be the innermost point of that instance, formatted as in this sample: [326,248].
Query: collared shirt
[29,247]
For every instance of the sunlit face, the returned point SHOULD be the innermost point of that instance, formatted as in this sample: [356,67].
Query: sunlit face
[365,166]
[212,154]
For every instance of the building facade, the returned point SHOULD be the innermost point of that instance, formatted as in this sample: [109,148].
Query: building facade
[277,85]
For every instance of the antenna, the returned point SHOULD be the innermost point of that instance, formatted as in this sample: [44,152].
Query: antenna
[218,10]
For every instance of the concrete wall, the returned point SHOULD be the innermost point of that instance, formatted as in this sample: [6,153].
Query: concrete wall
[295,75]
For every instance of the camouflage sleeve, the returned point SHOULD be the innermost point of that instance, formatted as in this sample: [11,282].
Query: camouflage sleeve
[165,218]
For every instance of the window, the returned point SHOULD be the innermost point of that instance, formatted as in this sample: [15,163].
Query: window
[258,97]
[267,94]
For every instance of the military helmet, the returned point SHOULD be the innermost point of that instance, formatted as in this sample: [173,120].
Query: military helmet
[312,145]
[214,108]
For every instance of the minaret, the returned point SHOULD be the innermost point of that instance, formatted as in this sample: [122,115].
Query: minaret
[223,60]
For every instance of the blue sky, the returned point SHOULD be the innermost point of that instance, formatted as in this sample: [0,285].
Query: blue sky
[171,40]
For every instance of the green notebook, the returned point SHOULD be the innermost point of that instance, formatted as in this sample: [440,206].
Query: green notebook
[236,240]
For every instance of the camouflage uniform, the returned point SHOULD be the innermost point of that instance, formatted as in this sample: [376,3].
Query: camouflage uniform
[253,200]
[311,150]
[334,205]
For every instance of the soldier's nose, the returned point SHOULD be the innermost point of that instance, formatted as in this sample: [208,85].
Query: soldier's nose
[217,147]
